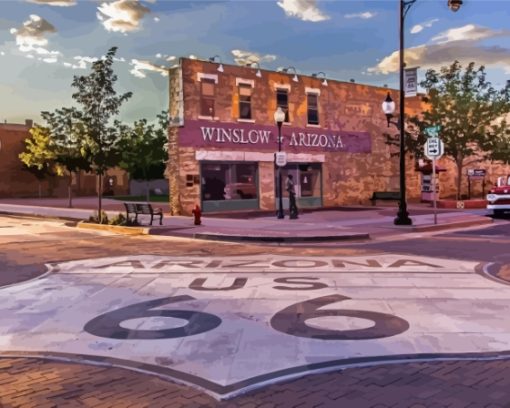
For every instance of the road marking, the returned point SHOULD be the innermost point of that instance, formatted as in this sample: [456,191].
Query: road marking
[240,321]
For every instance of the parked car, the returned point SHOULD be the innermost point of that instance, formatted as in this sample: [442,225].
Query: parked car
[498,199]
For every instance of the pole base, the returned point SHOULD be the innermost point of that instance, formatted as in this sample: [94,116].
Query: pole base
[280,215]
[403,219]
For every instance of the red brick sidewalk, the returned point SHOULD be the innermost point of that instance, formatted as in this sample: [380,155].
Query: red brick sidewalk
[26,382]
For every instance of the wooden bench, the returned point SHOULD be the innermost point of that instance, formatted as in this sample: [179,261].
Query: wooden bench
[143,208]
[385,195]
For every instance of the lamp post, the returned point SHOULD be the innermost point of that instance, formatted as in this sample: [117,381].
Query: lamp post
[402,214]
[279,117]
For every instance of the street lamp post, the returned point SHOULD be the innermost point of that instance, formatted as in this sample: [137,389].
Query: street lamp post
[279,117]
[402,214]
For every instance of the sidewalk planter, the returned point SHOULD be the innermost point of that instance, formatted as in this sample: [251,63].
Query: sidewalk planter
[118,229]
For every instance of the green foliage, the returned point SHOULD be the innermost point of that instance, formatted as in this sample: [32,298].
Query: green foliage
[144,150]
[96,220]
[39,158]
[119,219]
[470,112]
[99,104]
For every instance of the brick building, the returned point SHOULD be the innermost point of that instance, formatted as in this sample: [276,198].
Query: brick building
[15,182]
[222,139]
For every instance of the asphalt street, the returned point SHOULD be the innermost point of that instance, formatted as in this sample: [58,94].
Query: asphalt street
[93,318]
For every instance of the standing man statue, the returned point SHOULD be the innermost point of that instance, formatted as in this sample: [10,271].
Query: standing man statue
[289,186]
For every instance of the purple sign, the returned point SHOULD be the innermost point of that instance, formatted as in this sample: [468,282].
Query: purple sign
[247,136]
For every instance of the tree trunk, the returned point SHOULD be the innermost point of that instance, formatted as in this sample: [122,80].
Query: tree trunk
[69,190]
[147,195]
[459,177]
[99,196]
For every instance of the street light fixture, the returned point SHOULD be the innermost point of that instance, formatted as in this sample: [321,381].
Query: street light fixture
[258,73]
[295,77]
[279,117]
[402,214]
[213,59]
[316,75]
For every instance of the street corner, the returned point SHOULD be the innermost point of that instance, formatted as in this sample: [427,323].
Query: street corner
[230,324]
[497,271]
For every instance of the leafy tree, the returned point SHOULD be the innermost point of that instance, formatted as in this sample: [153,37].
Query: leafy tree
[469,111]
[38,157]
[99,104]
[144,153]
[65,133]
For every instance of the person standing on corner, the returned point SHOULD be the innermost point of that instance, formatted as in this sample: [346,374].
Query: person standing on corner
[289,186]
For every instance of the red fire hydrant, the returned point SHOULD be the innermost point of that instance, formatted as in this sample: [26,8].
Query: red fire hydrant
[197,213]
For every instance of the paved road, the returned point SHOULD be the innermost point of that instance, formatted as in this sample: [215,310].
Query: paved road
[433,279]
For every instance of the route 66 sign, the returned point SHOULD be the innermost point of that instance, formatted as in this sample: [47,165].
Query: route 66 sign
[281,159]
[230,323]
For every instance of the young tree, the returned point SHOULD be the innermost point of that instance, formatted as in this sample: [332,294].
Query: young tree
[65,141]
[39,157]
[99,104]
[144,152]
[468,110]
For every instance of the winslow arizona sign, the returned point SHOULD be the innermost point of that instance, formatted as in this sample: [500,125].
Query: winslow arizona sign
[230,324]
[201,133]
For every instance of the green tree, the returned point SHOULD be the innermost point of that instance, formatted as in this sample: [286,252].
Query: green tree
[144,151]
[65,130]
[99,103]
[469,111]
[39,158]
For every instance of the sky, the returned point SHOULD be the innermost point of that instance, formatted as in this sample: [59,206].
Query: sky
[44,43]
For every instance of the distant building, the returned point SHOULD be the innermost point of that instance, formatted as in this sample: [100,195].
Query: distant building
[16,182]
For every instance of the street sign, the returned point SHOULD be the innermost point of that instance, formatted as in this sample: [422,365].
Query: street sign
[410,82]
[433,148]
[432,131]
[476,172]
[281,159]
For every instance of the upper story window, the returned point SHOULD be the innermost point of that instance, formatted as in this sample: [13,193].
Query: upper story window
[282,101]
[207,96]
[245,91]
[313,108]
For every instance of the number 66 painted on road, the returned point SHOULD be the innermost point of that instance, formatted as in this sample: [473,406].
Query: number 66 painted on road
[291,320]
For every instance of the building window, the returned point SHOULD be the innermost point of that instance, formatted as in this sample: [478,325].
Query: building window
[207,97]
[229,181]
[313,108]
[282,101]
[244,101]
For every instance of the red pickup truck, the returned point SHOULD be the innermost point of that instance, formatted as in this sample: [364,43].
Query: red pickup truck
[498,199]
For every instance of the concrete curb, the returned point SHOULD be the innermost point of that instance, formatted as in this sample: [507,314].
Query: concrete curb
[294,239]
[114,228]
[452,225]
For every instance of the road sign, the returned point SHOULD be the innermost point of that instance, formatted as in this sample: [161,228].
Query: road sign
[433,131]
[281,159]
[433,148]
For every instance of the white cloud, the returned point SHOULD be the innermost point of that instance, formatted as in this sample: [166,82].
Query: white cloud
[60,3]
[460,44]
[305,10]
[420,27]
[166,57]
[366,15]
[242,57]
[49,60]
[468,32]
[2,53]
[156,19]
[83,61]
[32,34]
[122,15]
[139,68]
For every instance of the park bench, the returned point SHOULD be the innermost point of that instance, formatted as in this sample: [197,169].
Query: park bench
[385,195]
[143,208]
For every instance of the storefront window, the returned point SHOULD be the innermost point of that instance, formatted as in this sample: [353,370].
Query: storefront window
[308,183]
[236,181]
